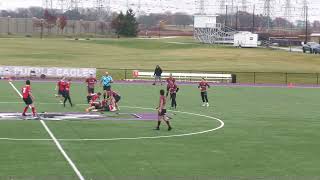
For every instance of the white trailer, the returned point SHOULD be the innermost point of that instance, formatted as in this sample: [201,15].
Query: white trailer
[245,39]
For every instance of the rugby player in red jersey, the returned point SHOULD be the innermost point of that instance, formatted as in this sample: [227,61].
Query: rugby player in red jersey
[91,82]
[170,80]
[162,111]
[203,85]
[94,101]
[60,87]
[173,89]
[66,93]
[114,98]
[28,99]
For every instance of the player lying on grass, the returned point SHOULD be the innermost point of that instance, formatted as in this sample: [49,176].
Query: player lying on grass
[60,88]
[96,104]
[162,112]
[66,93]
[91,81]
[28,99]
[203,85]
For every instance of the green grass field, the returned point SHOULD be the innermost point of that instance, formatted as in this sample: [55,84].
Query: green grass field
[145,54]
[269,133]
[172,54]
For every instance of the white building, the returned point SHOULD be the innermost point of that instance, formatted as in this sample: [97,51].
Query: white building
[245,39]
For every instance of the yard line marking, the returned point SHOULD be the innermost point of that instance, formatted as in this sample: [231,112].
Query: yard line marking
[74,167]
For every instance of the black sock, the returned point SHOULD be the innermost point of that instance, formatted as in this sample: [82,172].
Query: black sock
[168,123]
[88,99]
[159,122]
[104,96]
[70,101]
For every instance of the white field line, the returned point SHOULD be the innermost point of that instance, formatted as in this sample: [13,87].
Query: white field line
[135,138]
[65,155]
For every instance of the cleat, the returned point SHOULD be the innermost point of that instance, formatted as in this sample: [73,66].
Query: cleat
[170,128]
[157,129]
[23,114]
[204,104]
[207,104]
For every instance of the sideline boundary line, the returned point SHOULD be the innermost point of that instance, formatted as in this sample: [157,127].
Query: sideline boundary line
[65,155]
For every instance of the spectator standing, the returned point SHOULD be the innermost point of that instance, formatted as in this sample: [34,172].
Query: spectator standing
[157,75]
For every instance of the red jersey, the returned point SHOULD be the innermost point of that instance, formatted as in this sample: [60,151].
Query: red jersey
[172,88]
[67,86]
[171,80]
[91,82]
[61,84]
[94,97]
[104,103]
[162,103]
[26,91]
[203,86]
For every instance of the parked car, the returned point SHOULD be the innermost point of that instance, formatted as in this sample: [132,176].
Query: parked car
[312,47]
[316,49]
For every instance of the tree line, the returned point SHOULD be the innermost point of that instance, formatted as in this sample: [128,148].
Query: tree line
[239,21]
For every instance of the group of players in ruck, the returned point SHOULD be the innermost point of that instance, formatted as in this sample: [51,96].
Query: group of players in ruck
[110,99]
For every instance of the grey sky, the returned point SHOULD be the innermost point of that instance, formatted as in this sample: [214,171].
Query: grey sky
[189,6]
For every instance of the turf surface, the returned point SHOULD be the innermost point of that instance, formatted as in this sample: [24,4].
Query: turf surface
[268,133]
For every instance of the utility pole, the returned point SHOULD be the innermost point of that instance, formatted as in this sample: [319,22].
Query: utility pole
[306,23]
[201,7]
[226,16]
[267,12]
[253,18]
[237,14]
[244,5]
[222,6]
[287,11]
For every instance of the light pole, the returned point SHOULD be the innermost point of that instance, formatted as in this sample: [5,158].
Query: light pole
[41,26]
[160,29]
[80,26]
[9,25]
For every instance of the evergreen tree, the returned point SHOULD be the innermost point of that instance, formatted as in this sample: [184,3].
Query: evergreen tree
[125,25]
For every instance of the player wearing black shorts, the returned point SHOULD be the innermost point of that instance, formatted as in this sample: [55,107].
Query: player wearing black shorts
[162,111]
[66,93]
[28,99]
[106,81]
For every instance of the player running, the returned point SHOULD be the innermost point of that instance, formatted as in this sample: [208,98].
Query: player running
[28,99]
[66,93]
[203,85]
[170,80]
[162,111]
[60,87]
[173,89]
[91,82]
[106,81]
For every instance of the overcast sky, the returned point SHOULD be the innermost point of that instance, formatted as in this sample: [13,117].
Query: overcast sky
[188,6]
